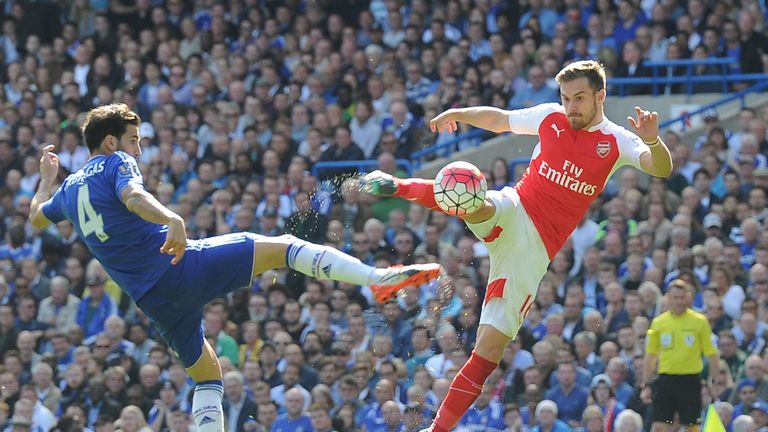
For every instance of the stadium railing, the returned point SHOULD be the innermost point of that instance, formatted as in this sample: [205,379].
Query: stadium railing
[740,95]
[447,147]
[672,72]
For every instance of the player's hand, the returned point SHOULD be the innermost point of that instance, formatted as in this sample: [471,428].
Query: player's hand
[175,240]
[645,395]
[49,164]
[647,124]
[444,123]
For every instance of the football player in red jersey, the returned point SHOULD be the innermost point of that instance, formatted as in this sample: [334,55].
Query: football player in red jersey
[525,225]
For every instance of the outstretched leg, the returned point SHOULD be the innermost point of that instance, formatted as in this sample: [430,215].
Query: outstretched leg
[468,383]
[207,411]
[417,190]
[324,262]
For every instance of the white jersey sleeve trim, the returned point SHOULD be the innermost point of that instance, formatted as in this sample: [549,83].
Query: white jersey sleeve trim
[630,146]
[526,121]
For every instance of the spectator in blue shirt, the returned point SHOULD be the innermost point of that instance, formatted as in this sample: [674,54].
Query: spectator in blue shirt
[568,395]
[547,17]
[392,413]
[617,371]
[605,398]
[536,92]
[294,419]
[95,309]
[17,248]
[397,329]
[320,418]
[630,18]
[372,417]
[546,414]
[485,414]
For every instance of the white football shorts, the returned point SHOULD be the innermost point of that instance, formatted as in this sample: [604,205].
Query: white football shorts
[518,262]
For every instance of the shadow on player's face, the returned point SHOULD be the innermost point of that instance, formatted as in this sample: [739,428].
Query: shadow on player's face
[581,102]
[130,142]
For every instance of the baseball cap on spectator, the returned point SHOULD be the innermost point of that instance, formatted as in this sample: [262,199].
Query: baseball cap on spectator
[746,383]
[759,406]
[270,212]
[713,220]
[146,130]
[546,404]
[601,379]
[270,345]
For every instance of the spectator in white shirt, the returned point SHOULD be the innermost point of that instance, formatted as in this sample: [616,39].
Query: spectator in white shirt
[72,155]
[60,308]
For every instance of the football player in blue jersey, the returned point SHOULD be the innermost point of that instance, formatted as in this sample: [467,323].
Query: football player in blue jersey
[131,233]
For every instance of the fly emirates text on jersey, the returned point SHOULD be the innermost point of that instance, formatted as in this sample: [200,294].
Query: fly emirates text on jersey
[568,177]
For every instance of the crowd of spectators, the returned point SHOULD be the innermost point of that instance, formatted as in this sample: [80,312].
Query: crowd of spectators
[240,98]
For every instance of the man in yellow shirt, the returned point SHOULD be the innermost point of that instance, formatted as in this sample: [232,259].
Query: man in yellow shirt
[676,341]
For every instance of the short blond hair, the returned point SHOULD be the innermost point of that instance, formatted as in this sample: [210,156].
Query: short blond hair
[589,69]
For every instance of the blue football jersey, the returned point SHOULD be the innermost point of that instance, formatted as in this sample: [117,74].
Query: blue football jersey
[490,418]
[126,245]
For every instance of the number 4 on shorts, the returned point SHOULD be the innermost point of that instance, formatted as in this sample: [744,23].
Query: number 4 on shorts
[90,222]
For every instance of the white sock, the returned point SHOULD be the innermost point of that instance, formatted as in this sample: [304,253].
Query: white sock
[206,406]
[324,262]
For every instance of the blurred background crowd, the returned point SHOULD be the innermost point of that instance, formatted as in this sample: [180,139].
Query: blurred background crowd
[240,98]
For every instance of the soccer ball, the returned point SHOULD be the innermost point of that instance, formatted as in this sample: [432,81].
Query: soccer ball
[460,188]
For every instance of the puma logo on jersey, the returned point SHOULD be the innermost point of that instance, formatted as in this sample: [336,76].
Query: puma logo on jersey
[557,131]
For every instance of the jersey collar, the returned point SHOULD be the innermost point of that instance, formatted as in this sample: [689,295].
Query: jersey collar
[94,157]
[599,125]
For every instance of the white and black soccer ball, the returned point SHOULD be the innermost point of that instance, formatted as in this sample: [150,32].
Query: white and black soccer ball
[460,188]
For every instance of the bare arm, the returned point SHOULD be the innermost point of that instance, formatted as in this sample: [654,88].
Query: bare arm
[714,366]
[42,195]
[658,162]
[484,117]
[49,167]
[649,367]
[147,207]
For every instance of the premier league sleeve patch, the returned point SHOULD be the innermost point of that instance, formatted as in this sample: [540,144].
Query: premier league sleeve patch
[127,169]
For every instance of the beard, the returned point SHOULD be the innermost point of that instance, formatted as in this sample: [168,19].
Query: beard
[582,120]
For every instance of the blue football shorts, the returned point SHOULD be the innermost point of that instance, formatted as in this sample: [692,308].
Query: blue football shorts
[211,268]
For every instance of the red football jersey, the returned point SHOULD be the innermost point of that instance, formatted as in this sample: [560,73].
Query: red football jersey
[569,168]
